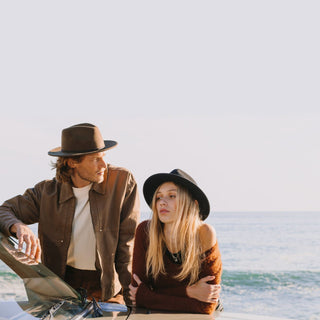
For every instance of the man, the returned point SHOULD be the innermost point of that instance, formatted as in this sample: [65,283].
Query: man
[87,216]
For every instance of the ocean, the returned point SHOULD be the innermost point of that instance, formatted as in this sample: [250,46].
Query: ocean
[271,264]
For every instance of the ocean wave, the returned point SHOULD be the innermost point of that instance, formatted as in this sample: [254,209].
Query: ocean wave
[291,294]
[269,279]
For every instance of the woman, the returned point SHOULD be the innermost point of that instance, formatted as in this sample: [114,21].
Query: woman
[176,259]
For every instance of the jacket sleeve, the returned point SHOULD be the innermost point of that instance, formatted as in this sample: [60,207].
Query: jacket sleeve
[22,208]
[130,214]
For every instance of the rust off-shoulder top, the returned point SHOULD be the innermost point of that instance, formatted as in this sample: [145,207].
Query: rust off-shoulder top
[167,293]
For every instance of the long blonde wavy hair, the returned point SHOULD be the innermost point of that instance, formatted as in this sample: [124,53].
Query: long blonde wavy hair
[186,231]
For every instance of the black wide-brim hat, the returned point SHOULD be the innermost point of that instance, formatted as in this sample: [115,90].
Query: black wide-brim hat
[180,178]
[81,139]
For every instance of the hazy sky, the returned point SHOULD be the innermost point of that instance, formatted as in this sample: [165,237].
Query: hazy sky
[227,91]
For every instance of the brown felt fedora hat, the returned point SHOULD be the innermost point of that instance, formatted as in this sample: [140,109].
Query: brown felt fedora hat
[81,139]
[181,178]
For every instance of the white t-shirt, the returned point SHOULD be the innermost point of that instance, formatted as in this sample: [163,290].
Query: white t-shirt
[82,249]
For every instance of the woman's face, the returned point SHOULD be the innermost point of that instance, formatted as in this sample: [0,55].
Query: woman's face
[166,202]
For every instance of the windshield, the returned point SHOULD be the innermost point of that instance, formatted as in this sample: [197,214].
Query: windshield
[38,291]
[36,287]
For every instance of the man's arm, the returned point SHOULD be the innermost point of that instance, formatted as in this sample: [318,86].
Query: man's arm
[15,213]
[130,215]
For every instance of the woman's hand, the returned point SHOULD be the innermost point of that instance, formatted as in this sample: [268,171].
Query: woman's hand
[204,291]
[133,290]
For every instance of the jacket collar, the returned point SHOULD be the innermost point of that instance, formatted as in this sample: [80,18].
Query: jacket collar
[102,187]
[66,192]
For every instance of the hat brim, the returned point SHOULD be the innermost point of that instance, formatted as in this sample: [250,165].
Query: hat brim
[57,152]
[153,182]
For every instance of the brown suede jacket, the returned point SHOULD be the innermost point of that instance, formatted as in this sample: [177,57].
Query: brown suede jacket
[114,205]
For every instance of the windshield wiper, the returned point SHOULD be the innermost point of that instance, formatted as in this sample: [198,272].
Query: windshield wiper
[51,312]
[91,308]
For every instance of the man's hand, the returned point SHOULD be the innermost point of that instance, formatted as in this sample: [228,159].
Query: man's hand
[133,290]
[204,291]
[25,235]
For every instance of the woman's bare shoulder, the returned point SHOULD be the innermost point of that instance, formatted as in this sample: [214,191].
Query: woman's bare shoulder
[207,236]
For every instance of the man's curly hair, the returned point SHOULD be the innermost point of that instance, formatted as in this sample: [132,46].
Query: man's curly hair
[63,171]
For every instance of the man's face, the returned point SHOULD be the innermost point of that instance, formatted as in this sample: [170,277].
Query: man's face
[90,169]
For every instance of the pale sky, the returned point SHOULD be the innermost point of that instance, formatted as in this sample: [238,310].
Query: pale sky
[227,91]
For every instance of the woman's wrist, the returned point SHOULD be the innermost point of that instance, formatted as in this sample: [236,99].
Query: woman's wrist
[189,291]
